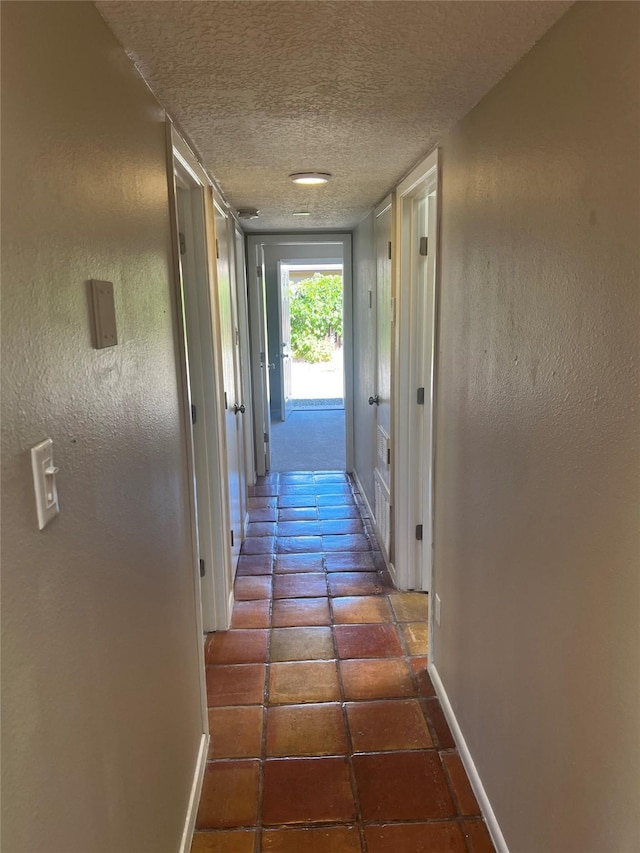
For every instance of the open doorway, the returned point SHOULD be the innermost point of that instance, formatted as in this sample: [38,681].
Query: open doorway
[302,288]
[316,332]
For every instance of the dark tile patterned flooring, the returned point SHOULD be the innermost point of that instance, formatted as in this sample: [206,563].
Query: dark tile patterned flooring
[326,733]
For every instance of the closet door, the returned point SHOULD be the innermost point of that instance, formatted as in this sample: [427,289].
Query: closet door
[229,346]
[382,398]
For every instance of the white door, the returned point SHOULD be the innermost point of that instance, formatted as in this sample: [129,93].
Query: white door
[425,314]
[286,398]
[415,372]
[382,396]
[240,407]
[231,401]
[260,367]
[245,353]
[204,386]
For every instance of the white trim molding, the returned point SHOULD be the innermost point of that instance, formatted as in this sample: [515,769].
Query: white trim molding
[469,765]
[365,500]
[194,796]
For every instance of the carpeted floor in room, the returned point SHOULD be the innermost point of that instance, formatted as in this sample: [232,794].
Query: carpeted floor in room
[309,441]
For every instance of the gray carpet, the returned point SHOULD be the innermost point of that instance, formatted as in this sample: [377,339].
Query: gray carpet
[326,403]
[309,441]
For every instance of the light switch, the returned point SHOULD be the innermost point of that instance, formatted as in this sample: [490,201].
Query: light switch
[104,314]
[44,482]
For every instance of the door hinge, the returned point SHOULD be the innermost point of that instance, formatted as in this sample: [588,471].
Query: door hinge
[202,568]
[424,246]
[217,249]
[231,538]
[226,404]
[388,456]
[389,249]
[266,438]
[420,396]
[419,532]
[194,413]
[182,243]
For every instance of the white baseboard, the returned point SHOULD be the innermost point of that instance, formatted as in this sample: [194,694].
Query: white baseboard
[194,796]
[372,516]
[230,603]
[469,764]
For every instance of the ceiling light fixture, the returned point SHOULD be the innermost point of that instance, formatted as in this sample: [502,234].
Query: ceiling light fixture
[248,213]
[310,178]
[301,213]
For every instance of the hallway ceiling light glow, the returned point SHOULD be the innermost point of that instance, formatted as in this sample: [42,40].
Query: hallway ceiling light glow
[301,213]
[310,178]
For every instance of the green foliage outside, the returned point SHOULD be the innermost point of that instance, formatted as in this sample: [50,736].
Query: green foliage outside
[316,317]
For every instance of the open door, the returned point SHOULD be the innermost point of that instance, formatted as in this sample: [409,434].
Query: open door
[286,399]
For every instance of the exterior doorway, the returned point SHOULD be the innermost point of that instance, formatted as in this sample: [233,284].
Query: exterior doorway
[315,316]
[300,294]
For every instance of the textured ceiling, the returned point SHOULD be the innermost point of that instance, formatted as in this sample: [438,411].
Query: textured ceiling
[359,89]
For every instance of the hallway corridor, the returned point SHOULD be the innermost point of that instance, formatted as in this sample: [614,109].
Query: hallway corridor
[326,735]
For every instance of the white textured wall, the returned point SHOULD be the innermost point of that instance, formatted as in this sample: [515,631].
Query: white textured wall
[101,715]
[537,494]
[364,354]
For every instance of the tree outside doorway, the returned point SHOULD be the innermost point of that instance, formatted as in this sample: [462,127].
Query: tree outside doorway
[316,304]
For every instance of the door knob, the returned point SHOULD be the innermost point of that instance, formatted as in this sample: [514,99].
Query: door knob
[238,408]
[374,400]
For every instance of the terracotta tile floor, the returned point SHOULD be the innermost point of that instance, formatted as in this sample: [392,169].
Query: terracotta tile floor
[326,734]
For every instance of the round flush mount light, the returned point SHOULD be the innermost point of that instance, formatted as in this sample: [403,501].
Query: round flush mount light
[248,213]
[310,178]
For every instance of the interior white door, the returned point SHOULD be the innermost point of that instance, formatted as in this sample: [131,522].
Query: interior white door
[426,355]
[245,352]
[415,375]
[382,398]
[261,367]
[206,423]
[239,405]
[286,400]
[231,401]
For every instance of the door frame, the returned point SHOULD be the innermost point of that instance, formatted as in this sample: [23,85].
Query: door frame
[213,591]
[257,308]
[416,354]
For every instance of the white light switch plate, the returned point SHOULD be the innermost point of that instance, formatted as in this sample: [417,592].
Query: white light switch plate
[44,482]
